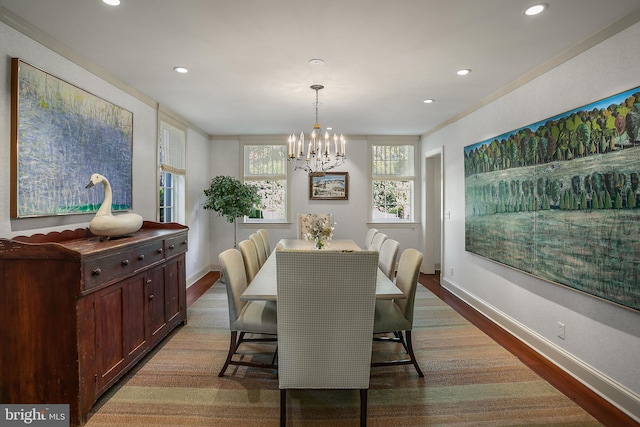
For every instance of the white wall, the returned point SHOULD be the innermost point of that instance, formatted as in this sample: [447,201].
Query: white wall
[15,44]
[350,215]
[602,339]
[198,257]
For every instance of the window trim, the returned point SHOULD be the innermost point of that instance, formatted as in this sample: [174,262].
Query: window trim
[179,201]
[415,208]
[273,141]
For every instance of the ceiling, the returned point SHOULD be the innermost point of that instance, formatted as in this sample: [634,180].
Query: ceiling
[248,60]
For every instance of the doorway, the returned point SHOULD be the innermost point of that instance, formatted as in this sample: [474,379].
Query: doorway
[433,215]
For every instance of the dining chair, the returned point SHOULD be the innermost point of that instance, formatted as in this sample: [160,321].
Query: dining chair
[388,257]
[326,303]
[396,316]
[306,220]
[265,240]
[262,255]
[255,317]
[250,258]
[376,243]
[368,238]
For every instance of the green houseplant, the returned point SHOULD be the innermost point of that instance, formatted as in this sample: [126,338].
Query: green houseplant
[231,199]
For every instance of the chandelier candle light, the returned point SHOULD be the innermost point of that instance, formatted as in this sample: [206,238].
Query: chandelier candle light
[319,156]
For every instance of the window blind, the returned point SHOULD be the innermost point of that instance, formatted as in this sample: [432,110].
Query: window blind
[172,148]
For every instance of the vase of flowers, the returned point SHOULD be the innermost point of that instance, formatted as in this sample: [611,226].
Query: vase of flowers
[321,232]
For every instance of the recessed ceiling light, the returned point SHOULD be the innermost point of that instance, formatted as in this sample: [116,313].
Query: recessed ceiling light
[112,2]
[463,72]
[316,61]
[181,70]
[428,101]
[535,9]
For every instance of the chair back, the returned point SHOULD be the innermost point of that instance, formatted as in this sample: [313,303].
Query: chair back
[257,240]
[376,243]
[265,241]
[407,280]
[368,238]
[388,257]
[250,258]
[326,303]
[236,281]
[306,220]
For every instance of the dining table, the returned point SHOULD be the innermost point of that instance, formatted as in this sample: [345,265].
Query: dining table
[264,285]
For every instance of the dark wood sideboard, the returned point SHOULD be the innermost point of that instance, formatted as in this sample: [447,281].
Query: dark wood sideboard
[77,312]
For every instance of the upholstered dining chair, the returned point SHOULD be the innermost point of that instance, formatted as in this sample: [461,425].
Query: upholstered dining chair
[388,257]
[265,241]
[368,238]
[262,255]
[396,316]
[255,317]
[376,243]
[326,303]
[250,258]
[306,220]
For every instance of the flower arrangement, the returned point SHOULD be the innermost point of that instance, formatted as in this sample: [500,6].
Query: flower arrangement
[320,231]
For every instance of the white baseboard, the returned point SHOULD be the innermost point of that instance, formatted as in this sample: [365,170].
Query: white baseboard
[609,389]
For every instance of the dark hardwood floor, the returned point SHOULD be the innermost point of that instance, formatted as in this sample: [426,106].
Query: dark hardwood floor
[196,290]
[599,408]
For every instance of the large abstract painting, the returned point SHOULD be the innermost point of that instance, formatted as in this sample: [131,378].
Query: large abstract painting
[560,199]
[60,135]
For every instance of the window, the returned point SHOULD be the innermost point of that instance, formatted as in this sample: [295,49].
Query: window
[392,182]
[172,199]
[171,153]
[265,166]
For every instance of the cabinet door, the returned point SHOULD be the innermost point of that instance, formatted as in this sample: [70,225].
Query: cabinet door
[175,290]
[120,328]
[156,303]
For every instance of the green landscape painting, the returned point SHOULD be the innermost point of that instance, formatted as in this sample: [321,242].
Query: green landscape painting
[61,135]
[560,199]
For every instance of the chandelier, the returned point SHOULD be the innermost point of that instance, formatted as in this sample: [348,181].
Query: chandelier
[318,154]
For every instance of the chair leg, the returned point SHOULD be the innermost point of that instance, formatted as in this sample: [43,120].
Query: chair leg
[232,349]
[283,407]
[240,338]
[401,338]
[410,351]
[363,407]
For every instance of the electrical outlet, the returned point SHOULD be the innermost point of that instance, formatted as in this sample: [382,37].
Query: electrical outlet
[561,330]
[451,271]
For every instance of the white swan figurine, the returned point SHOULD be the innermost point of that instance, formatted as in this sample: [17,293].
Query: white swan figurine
[105,223]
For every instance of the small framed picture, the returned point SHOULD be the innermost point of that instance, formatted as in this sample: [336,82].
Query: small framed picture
[329,186]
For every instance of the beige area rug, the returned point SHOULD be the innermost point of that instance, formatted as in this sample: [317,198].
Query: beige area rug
[469,381]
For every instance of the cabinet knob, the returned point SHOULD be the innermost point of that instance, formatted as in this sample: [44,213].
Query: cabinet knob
[96,272]
[159,250]
[172,247]
[141,257]
[150,297]
[125,262]
[148,281]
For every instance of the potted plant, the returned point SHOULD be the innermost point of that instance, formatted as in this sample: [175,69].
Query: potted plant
[231,199]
